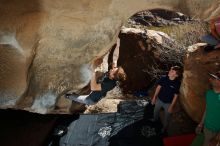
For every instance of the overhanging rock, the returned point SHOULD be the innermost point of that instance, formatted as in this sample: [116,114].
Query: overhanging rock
[55,42]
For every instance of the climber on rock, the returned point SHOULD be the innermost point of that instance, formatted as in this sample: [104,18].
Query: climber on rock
[107,83]
[101,85]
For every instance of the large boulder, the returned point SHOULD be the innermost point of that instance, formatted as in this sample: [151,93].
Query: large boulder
[144,54]
[195,82]
[54,42]
[158,17]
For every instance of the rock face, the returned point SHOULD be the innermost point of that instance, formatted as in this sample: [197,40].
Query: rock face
[46,47]
[142,53]
[195,81]
[158,18]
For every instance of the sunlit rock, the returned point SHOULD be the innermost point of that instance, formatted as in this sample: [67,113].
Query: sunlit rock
[53,43]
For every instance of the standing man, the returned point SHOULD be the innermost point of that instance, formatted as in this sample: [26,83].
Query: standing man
[211,116]
[166,94]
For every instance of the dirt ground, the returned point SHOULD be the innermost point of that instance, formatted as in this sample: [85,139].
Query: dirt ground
[181,123]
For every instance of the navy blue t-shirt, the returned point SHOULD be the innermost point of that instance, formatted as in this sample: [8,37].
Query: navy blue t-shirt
[106,86]
[168,89]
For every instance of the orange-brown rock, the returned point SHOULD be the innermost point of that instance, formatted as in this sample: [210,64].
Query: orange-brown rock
[195,79]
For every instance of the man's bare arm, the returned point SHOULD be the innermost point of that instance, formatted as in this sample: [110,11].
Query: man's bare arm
[156,94]
[173,103]
[94,85]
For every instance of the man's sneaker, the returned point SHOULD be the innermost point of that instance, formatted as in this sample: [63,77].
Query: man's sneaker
[60,130]
[71,96]
[67,95]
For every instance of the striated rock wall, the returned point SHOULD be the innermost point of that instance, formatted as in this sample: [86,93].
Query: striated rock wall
[47,47]
[195,82]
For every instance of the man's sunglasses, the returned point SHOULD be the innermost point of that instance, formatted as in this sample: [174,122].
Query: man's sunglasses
[214,76]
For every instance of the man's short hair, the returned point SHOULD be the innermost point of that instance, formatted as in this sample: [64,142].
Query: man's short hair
[178,70]
[120,74]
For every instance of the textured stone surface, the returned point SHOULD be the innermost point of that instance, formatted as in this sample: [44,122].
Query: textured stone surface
[54,42]
[195,79]
[158,17]
[140,52]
